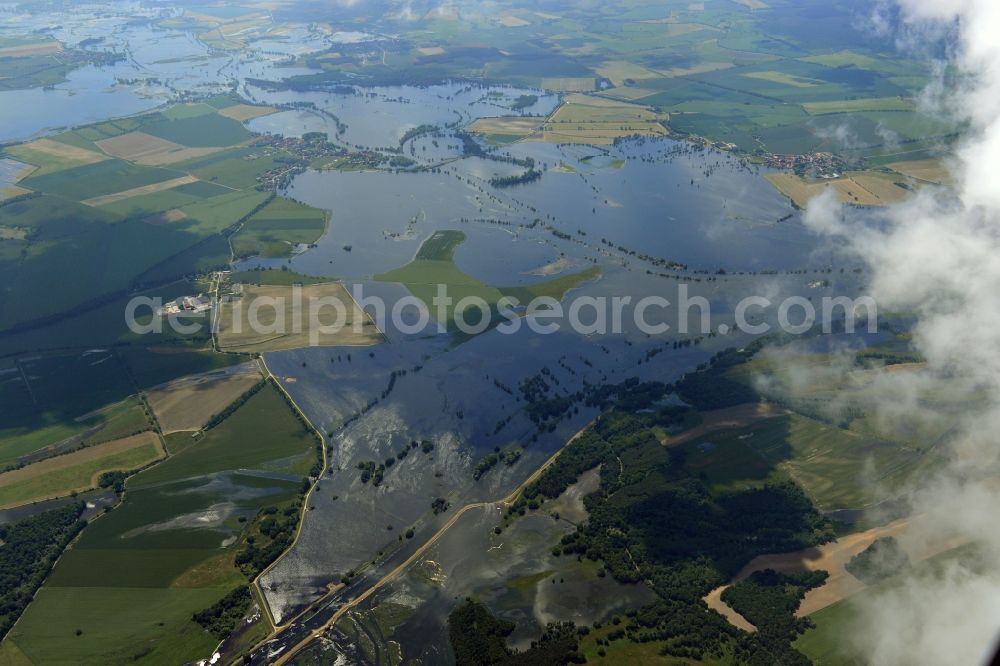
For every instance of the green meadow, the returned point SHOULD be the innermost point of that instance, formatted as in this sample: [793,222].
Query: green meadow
[277,228]
[434,265]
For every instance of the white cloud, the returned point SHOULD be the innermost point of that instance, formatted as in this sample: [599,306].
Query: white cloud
[937,254]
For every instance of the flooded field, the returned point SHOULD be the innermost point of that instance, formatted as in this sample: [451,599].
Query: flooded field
[427,423]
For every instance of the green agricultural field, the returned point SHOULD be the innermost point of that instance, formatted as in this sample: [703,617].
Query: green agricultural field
[280,278]
[146,206]
[828,644]
[825,644]
[104,325]
[274,230]
[93,180]
[838,468]
[151,366]
[726,461]
[199,131]
[22,432]
[263,431]
[182,111]
[77,471]
[128,587]
[117,625]
[852,105]
[213,215]
[49,398]
[159,223]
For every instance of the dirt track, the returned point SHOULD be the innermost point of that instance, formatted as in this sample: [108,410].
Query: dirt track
[419,552]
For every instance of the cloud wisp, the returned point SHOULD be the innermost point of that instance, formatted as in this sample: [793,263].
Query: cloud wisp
[937,254]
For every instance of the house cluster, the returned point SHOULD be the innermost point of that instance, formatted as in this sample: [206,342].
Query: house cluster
[819,165]
[187,305]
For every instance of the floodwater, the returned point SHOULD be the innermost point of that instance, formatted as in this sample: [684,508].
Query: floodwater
[629,209]
[657,197]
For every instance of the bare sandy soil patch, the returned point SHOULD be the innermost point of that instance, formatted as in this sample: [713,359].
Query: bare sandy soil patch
[832,557]
[140,191]
[283,319]
[243,112]
[187,404]
[65,155]
[166,217]
[150,150]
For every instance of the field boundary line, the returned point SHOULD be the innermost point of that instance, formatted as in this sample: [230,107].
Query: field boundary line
[305,500]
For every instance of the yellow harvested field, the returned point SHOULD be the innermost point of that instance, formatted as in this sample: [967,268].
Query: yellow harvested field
[50,155]
[140,191]
[10,193]
[569,84]
[584,119]
[511,21]
[753,4]
[40,48]
[857,188]
[135,145]
[166,217]
[581,109]
[293,318]
[931,170]
[430,51]
[618,71]
[512,125]
[881,187]
[187,404]
[243,112]
[150,150]
[77,471]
